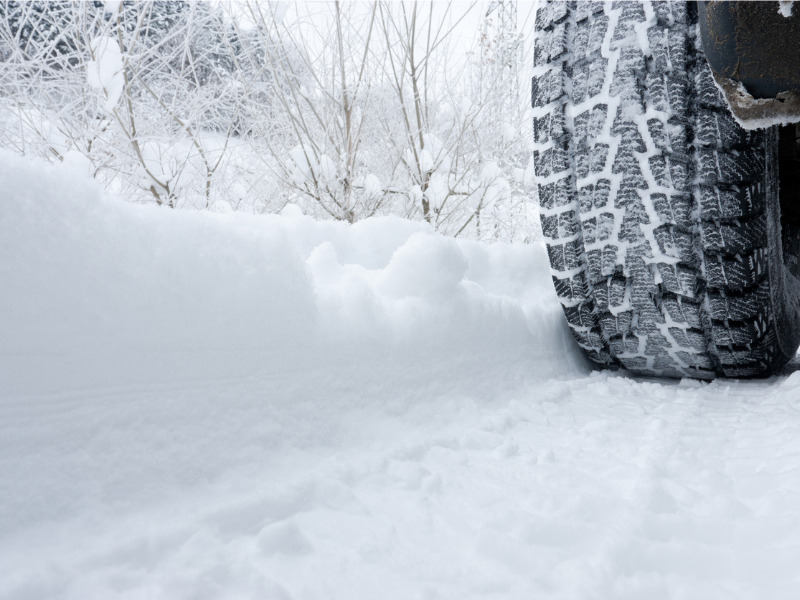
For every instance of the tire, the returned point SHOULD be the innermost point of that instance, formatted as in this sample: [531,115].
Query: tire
[661,215]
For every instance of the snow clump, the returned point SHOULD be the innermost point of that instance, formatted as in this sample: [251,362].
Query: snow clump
[105,71]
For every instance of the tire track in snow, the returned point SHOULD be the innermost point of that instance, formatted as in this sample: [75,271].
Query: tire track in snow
[715,509]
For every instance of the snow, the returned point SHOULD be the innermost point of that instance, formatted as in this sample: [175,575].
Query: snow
[785,8]
[372,186]
[198,405]
[105,71]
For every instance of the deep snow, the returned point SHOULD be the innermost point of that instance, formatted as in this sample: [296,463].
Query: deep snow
[229,406]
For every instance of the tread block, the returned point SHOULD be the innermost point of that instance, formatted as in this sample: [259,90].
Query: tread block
[613,325]
[581,158]
[675,243]
[585,198]
[597,35]
[696,361]
[594,195]
[632,14]
[734,167]
[625,82]
[551,45]
[673,209]
[551,13]
[735,239]
[735,307]
[668,93]
[681,310]
[566,256]
[678,135]
[597,163]
[556,194]
[629,133]
[550,161]
[549,226]
[548,87]
[740,334]
[630,229]
[626,163]
[555,252]
[602,264]
[585,9]
[657,345]
[580,40]
[616,292]
[669,12]
[581,315]
[679,279]
[573,254]
[541,48]
[628,344]
[573,288]
[736,273]
[568,224]
[719,130]
[605,226]
[592,340]
[602,191]
[637,364]
[650,317]
[588,125]
[658,133]
[707,92]
[744,361]
[687,338]
[558,42]
[669,50]
[587,80]
[598,229]
[551,126]
[752,369]
[670,171]
[729,204]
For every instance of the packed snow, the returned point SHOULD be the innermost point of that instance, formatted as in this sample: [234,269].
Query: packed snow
[196,405]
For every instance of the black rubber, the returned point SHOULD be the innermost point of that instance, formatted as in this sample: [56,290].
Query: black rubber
[661,215]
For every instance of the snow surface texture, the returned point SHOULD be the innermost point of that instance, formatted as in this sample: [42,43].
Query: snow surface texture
[227,406]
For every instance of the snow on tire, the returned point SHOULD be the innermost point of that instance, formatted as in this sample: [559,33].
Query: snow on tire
[661,215]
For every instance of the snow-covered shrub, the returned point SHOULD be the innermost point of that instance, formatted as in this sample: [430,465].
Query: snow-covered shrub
[345,110]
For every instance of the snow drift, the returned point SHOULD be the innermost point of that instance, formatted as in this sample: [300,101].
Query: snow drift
[97,288]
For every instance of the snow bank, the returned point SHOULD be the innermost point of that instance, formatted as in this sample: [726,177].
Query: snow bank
[101,292]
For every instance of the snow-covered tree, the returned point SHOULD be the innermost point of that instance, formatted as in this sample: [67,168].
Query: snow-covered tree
[346,109]
[316,118]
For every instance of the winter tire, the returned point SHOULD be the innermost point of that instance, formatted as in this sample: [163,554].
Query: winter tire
[662,216]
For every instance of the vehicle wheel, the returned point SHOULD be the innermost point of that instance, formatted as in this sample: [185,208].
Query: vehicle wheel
[661,215]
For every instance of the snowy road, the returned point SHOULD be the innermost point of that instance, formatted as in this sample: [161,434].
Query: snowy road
[206,406]
[405,485]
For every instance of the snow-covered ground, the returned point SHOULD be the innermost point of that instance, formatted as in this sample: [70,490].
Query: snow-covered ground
[227,406]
